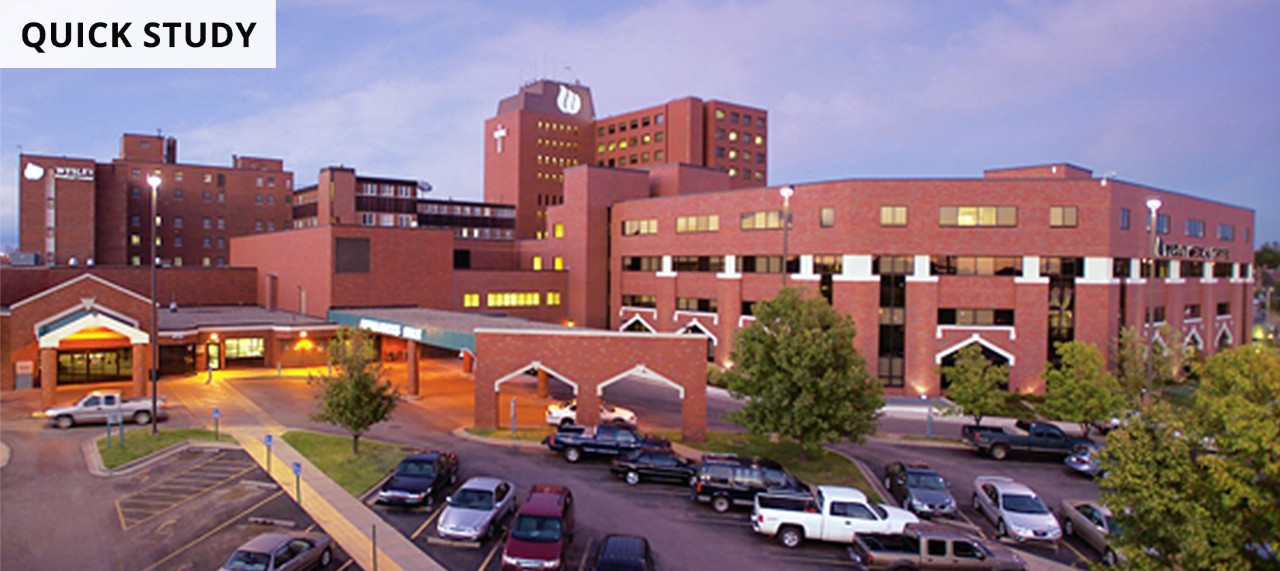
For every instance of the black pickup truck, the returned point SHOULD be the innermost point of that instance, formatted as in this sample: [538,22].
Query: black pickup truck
[603,440]
[1039,437]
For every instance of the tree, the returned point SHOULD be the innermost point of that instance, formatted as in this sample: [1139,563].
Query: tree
[1079,389]
[1199,487]
[1267,256]
[1129,352]
[977,387]
[1168,356]
[355,397]
[800,375]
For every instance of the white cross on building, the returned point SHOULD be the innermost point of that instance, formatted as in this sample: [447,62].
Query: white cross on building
[498,135]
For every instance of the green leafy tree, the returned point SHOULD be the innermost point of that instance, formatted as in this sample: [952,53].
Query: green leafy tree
[977,387]
[1079,389]
[354,397]
[800,375]
[1196,488]
[1129,352]
[1168,356]
[1267,256]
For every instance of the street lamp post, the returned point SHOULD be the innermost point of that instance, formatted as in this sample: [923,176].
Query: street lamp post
[786,193]
[154,180]
[1153,205]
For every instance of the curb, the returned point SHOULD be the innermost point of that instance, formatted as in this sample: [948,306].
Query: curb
[867,475]
[899,440]
[463,434]
[94,459]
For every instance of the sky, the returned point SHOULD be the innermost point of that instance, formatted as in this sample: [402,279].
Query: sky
[1182,96]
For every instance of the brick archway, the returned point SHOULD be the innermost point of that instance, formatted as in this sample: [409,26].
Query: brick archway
[593,359]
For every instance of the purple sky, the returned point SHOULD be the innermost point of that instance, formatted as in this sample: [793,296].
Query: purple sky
[1183,96]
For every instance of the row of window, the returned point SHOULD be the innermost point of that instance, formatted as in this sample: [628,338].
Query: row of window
[557,161]
[466,210]
[1194,227]
[624,143]
[734,154]
[978,216]
[635,123]
[734,136]
[1157,314]
[658,157]
[733,117]
[559,127]
[557,143]
[220,261]
[746,174]
[511,299]
[208,178]
[388,190]
[557,263]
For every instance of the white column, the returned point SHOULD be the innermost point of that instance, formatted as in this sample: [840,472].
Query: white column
[920,270]
[1097,271]
[666,268]
[730,269]
[856,269]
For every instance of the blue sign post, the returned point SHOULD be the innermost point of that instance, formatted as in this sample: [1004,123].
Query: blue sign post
[267,440]
[217,414]
[297,480]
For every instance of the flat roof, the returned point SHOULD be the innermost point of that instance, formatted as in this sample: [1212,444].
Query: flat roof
[233,316]
[449,329]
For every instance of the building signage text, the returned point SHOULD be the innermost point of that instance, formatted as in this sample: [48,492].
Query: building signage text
[1168,250]
[392,329]
[73,173]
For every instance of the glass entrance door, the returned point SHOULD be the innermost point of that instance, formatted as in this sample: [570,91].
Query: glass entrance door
[214,351]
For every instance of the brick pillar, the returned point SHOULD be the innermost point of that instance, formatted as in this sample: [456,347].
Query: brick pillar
[486,398]
[588,403]
[468,362]
[48,376]
[141,362]
[412,368]
[543,390]
[693,409]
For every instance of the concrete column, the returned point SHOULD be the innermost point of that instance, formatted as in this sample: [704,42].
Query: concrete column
[543,390]
[48,377]
[412,368]
[141,362]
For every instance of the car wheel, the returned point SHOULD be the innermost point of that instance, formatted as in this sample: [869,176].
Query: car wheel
[633,477]
[142,417]
[720,503]
[1110,557]
[64,421]
[1001,530]
[1068,528]
[1000,452]
[573,454]
[326,557]
[790,537]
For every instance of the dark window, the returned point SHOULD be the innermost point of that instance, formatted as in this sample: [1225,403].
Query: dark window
[965,549]
[351,255]
[938,547]
[748,308]
[1124,218]
[1222,269]
[1155,314]
[1191,311]
[634,300]
[1063,267]
[1192,269]
[1224,308]
[461,259]
[641,263]
[1121,268]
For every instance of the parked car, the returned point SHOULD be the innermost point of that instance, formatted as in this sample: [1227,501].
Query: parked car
[654,464]
[1015,510]
[725,481]
[566,413]
[624,553]
[603,440]
[928,547]
[541,532]
[1085,462]
[833,513]
[477,509]
[1037,437]
[419,479]
[282,551]
[1092,523]
[97,406]
[918,488]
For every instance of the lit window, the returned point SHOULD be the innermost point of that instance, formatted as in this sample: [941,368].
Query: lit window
[553,298]
[1062,216]
[537,263]
[558,264]
[733,153]
[135,239]
[719,114]
[733,135]
[177,261]
[557,231]
[827,217]
[471,300]
[893,216]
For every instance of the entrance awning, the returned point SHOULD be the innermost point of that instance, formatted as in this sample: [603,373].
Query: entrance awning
[446,329]
[51,334]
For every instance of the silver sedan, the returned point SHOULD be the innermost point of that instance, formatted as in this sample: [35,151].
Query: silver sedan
[1092,523]
[474,512]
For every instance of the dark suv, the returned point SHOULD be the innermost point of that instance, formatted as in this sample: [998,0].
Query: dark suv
[726,481]
[918,488]
[419,479]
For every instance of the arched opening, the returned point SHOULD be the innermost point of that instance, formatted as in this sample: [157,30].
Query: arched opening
[1224,339]
[992,356]
[532,411]
[695,328]
[637,324]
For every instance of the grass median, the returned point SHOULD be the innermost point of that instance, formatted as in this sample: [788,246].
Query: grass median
[356,473]
[139,442]
[524,434]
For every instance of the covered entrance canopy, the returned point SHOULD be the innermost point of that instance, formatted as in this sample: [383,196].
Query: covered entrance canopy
[586,359]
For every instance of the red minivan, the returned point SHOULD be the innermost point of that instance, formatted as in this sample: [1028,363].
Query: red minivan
[540,534]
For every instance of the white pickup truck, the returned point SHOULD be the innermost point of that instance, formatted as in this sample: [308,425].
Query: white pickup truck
[834,513]
[95,407]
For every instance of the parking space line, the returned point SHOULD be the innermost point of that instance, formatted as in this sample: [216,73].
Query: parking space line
[209,533]
[489,558]
[1073,549]
[586,551]
[171,504]
[345,565]
[976,527]
[426,523]
[810,560]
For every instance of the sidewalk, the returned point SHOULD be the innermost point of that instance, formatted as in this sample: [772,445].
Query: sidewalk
[348,521]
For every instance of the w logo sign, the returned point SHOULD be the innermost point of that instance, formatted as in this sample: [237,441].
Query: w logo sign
[568,102]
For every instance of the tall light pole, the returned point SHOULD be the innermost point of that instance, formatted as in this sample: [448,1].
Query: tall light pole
[786,193]
[154,180]
[1153,205]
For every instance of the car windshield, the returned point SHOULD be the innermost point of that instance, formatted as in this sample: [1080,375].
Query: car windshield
[1024,504]
[926,481]
[473,499]
[417,469]
[248,561]
[538,529]
[775,478]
